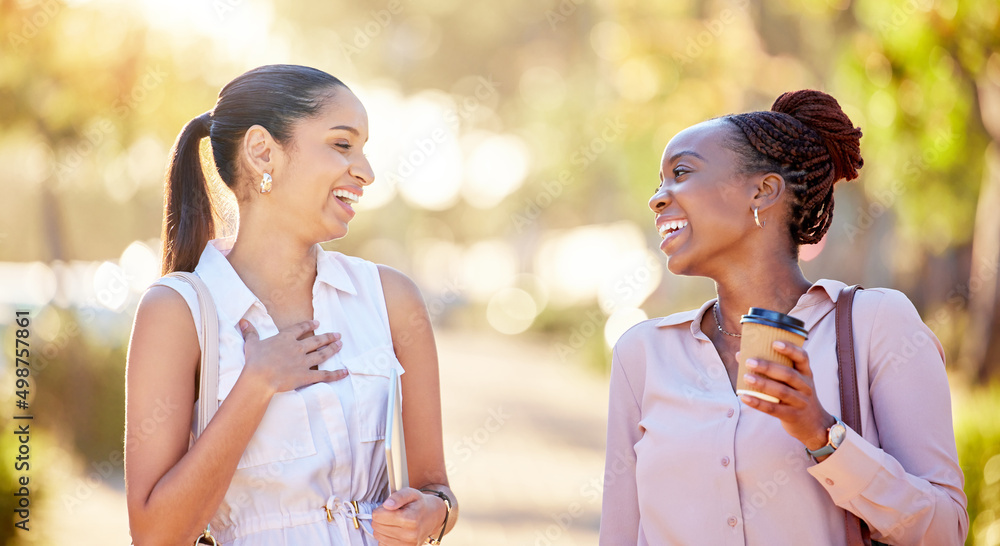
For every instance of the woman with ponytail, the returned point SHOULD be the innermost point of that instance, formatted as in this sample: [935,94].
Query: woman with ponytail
[689,461]
[307,341]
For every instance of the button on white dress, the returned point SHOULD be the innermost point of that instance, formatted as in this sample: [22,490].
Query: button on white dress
[320,447]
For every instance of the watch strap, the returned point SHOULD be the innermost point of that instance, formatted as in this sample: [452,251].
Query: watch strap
[830,447]
[821,452]
[447,505]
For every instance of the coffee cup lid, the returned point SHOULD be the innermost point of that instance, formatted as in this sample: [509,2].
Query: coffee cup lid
[775,319]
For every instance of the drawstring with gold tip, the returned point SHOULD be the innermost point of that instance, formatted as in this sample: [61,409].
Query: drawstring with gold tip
[354,517]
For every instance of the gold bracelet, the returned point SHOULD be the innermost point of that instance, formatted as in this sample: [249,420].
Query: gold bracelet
[447,506]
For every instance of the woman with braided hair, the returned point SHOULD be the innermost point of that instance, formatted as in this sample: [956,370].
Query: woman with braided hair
[689,461]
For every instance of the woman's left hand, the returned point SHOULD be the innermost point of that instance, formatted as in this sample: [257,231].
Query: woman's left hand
[407,518]
[799,409]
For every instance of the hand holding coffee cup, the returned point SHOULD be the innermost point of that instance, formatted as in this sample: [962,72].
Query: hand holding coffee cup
[761,328]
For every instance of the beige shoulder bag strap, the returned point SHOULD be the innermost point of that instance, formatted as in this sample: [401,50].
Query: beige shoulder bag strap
[208,370]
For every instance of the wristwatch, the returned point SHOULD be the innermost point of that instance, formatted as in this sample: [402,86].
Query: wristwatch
[835,435]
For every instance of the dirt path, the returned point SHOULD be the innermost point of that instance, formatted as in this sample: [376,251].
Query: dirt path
[524,439]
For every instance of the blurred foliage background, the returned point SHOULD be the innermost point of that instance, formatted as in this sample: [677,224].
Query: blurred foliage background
[516,144]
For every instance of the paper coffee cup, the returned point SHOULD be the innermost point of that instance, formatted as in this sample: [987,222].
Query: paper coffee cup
[761,328]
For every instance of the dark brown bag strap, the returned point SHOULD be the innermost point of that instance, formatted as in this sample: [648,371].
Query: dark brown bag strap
[850,406]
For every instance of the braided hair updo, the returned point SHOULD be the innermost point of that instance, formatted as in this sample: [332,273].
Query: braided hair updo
[808,139]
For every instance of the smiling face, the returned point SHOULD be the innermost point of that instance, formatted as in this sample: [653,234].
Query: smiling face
[322,170]
[703,204]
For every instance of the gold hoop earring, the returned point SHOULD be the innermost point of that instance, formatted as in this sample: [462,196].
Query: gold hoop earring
[265,183]
[757,219]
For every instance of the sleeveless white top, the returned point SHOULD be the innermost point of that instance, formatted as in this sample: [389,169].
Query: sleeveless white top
[319,447]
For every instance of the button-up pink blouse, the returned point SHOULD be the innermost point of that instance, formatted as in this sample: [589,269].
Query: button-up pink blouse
[687,463]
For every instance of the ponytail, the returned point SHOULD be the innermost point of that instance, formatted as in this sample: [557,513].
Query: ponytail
[187,208]
[274,97]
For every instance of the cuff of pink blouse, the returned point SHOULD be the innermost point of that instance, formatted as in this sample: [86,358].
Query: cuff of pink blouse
[848,471]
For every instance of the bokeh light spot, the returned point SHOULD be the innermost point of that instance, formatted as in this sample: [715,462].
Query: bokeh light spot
[496,168]
[610,41]
[511,311]
[620,321]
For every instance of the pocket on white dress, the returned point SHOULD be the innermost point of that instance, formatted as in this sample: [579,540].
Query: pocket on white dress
[370,378]
[283,434]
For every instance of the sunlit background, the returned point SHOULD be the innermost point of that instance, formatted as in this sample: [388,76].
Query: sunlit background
[515,145]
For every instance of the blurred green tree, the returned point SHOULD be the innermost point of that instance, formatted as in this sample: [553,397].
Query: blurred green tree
[929,73]
[86,127]
[921,78]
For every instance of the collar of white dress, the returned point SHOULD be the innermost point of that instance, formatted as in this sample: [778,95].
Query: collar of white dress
[232,296]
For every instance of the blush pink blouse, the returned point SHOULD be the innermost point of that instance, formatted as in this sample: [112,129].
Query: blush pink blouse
[688,463]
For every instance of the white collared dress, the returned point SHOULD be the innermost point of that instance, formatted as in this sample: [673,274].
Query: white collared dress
[319,447]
